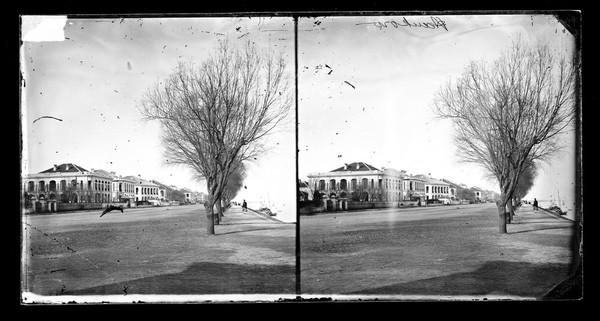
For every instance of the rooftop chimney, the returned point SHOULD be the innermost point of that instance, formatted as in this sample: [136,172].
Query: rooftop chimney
[345,165]
[67,167]
[357,165]
[55,167]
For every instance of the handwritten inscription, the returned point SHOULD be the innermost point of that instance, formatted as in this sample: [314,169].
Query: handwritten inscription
[432,23]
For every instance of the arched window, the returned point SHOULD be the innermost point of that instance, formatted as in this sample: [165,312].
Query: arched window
[365,183]
[74,184]
[321,185]
[353,183]
[343,184]
[30,186]
[52,186]
[42,186]
[332,184]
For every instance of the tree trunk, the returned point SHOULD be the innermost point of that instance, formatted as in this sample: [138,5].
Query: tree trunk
[210,222]
[511,211]
[501,205]
[219,216]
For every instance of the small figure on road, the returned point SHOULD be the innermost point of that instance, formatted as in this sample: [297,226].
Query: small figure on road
[535,204]
[111,208]
[244,206]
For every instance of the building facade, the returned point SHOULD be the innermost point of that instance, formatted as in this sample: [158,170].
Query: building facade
[144,190]
[163,191]
[359,181]
[123,189]
[452,188]
[69,183]
[414,188]
[435,188]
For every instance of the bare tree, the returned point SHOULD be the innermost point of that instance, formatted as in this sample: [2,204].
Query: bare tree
[510,112]
[524,184]
[214,115]
[234,184]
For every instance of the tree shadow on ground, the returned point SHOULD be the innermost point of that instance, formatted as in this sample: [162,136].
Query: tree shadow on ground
[207,278]
[246,230]
[497,277]
[541,229]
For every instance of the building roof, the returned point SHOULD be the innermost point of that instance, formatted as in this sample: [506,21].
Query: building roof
[139,181]
[431,180]
[103,173]
[394,172]
[450,182]
[355,167]
[65,168]
[160,184]
[415,177]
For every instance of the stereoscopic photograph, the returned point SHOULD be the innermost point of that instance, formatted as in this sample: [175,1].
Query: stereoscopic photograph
[300,156]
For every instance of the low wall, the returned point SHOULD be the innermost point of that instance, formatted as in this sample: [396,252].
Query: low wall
[354,205]
[310,209]
[61,207]
[408,203]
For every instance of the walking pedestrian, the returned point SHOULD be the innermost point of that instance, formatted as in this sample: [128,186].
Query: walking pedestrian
[535,204]
[244,206]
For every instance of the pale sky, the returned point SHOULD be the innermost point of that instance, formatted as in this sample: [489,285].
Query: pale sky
[96,76]
[386,119]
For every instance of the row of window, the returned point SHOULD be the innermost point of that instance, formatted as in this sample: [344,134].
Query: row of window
[123,187]
[414,186]
[147,190]
[387,196]
[98,185]
[75,198]
[438,189]
[387,183]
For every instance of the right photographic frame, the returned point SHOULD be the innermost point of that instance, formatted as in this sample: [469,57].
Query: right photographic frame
[439,156]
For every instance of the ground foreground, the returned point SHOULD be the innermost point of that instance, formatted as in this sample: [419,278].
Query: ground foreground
[156,251]
[450,252]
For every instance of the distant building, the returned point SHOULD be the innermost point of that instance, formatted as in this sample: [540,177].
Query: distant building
[164,191]
[414,188]
[69,183]
[123,189]
[435,188]
[359,181]
[144,190]
[453,189]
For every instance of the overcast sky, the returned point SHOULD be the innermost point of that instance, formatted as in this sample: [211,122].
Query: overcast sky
[94,79]
[365,93]
[366,90]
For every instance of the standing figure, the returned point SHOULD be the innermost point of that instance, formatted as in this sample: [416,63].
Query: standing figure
[535,204]
[244,206]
